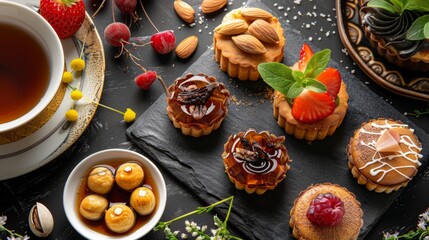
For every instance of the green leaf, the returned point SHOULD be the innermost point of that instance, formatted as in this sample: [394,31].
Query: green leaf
[426,30]
[398,4]
[294,90]
[416,31]
[417,5]
[317,63]
[314,85]
[298,76]
[383,4]
[276,75]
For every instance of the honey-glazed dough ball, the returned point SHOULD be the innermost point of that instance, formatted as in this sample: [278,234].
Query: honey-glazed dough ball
[93,206]
[143,201]
[120,218]
[129,176]
[101,180]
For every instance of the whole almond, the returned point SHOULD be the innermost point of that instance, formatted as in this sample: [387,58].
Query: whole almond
[210,6]
[232,27]
[184,10]
[252,13]
[249,44]
[263,31]
[186,47]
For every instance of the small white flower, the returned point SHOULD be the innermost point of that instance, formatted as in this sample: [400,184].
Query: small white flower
[199,238]
[194,234]
[187,223]
[175,233]
[426,238]
[3,220]
[422,225]
[183,236]
[188,229]
[214,231]
[204,228]
[193,224]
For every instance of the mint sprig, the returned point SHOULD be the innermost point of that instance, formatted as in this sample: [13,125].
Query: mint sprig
[290,82]
[419,30]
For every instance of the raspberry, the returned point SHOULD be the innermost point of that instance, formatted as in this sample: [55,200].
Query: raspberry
[163,42]
[145,80]
[326,210]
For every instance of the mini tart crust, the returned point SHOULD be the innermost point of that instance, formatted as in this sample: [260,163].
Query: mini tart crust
[239,64]
[309,131]
[195,129]
[348,229]
[253,188]
[359,155]
[417,62]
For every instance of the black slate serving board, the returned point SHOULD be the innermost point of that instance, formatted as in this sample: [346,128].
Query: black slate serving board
[198,164]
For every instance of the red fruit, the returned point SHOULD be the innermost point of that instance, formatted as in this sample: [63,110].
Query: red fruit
[331,78]
[326,210]
[126,6]
[310,106]
[65,16]
[145,80]
[117,34]
[304,56]
[163,42]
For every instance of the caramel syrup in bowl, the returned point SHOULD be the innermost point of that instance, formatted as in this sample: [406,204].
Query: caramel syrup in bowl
[24,72]
[116,195]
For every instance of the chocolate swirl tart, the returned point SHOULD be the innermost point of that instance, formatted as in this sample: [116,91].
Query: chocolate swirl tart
[197,104]
[386,32]
[254,161]
[384,155]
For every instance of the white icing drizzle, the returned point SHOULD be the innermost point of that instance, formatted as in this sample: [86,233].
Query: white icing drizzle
[410,155]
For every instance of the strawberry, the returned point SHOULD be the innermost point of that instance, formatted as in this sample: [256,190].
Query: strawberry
[311,106]
[331,78]
[304,56]
[65,16]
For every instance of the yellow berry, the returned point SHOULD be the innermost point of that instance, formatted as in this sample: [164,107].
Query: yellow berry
[129,115]
[77,64]
[76,95]
[67,77]
[72,115]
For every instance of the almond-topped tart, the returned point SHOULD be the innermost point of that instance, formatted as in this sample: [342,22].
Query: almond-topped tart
[245,38]
[310,100]
[326,211]
[384,155]
[197,104]
[254,161]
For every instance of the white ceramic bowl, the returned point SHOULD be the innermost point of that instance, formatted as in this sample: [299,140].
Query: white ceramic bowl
[31,22]
[104,157]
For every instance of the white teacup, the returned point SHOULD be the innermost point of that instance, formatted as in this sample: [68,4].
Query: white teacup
[16,16]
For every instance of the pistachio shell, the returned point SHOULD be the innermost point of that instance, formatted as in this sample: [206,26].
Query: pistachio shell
[40,220]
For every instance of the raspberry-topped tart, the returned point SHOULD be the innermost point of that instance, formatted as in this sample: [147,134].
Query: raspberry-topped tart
[197,104]
[326,211]
[254,161]
[245,38]
[384,155]
[310,100]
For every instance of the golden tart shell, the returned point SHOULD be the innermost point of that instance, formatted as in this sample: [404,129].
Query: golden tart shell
[255,178]
[239,64]
[348,229]
[394,172]
[210,122]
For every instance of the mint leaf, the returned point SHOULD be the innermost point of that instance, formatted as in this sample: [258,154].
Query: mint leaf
[416,31]
[276,75]
[314,85]
[398,4]
[417,5]
[426,30]
[317,63]
[294,90]
[383,4]
[298,76]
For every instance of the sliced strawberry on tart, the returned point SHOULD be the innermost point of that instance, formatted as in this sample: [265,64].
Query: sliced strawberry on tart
[310,100]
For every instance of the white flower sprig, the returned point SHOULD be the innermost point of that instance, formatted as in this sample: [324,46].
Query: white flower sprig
[421,233]
[12,235]
[199,232]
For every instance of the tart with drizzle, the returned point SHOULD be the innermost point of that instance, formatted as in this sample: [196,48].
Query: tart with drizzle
[197,104]
[254,161]
[384,155]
